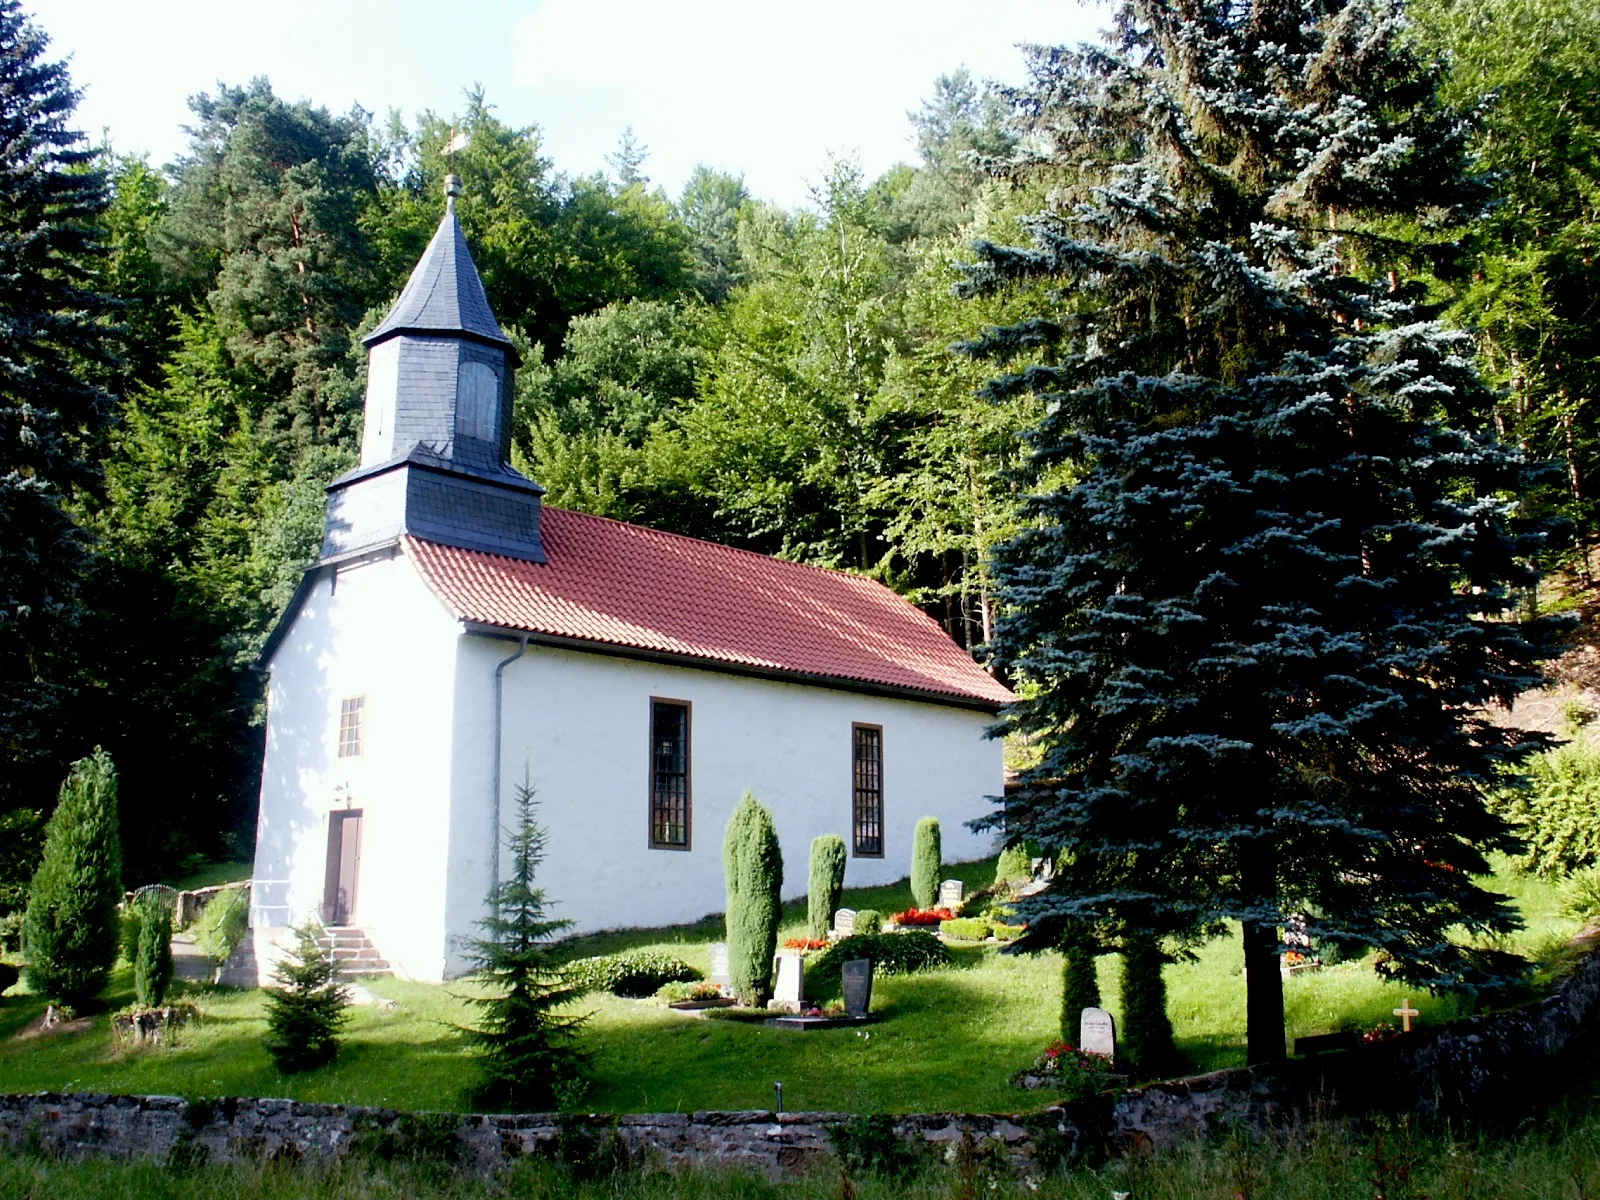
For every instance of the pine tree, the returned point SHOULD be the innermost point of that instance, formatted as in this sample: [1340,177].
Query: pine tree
[927,858]
[69,933]
[752,868]
[1260,596]
[53,412]
[825,884]
[527,1051]
[1146,1028]
[308,1007]
[152,960]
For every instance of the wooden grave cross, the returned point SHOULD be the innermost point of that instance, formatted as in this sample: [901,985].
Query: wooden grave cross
[1405,1012]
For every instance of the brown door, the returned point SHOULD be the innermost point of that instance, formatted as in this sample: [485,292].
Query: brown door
[344,867]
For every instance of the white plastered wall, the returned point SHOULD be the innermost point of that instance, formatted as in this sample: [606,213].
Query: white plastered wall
[373,629]
[579,724]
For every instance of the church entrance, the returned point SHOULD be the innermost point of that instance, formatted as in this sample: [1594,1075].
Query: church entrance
[344,867]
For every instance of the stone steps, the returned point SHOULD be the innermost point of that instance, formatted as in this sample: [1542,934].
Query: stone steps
[352,952]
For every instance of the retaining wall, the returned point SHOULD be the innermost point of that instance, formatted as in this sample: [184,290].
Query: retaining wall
[1468,1066]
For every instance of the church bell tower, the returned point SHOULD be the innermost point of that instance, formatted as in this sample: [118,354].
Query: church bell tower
[435,450]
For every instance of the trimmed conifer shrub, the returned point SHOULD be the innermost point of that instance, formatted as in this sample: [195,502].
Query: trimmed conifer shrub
[825,884]
[926,860]
[1146,1029]
[308,1007]
[1080,987]
[1014,864]
[528,1052]
[152,962]
[70,932]
[752,868]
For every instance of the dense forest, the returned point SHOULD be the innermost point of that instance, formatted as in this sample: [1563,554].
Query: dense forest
[186,374]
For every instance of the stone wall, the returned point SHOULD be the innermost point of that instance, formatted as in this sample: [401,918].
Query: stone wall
[1467,1066]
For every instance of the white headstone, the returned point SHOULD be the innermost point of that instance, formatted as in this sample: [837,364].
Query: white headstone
[952,892]
[844,923]
[790,987]
[1097,1033]
[719,964]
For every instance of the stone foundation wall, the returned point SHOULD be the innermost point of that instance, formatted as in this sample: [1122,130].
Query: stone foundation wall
[1469,1066]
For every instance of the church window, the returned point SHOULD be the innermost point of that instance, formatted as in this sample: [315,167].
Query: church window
[867,781]
[351,710]
[478,402]
[669,774]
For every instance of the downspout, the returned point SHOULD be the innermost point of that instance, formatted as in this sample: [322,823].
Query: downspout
[494,807]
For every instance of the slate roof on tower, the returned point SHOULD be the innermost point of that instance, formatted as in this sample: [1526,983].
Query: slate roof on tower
[665,596]
[444,293]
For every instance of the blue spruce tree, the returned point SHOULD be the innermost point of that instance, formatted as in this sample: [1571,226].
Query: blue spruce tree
[1273,548]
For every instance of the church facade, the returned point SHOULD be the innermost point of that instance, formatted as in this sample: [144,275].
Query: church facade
[459,639]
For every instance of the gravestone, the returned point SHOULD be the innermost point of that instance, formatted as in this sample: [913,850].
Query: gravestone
[719,964]
[844,923]
[952,893]
[1097,1034]
[857,975]
[789,991]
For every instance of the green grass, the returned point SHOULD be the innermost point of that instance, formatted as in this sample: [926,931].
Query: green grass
[212,875]
[949,1039]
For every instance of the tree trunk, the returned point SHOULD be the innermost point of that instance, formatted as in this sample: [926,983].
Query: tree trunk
[1263,995]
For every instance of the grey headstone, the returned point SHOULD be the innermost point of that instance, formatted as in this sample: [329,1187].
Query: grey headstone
[858,986]
[844,922]
[719,964]
[1097,1033]
[951,893]
[790,987]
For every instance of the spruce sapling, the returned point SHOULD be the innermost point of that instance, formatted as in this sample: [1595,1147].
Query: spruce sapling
[527,1052]
[70,932]
[307,1009]
[826,883]
[752,867]
[926,860]
[152,963]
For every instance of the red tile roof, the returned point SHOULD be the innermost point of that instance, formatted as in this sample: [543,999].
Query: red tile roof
[627,586]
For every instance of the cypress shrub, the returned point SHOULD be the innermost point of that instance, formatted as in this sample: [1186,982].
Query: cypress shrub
[527,1047]
[869,920]
[70,933]
[1014,864]
[826,883]
[1146,1030]
[152,963]
[1080,988]
[752,868]
[926,860]
[307,1009]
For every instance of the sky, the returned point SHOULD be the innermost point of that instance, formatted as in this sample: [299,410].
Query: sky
[757,87]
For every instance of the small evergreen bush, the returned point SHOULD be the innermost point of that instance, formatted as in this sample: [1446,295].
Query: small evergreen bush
[1080,984]
[927,858]
[636,974]
[308,1007]
[966,929]
[1015,865]
[128,933]
[70,931]
[825,884]
[1556,809]
[152,963]
[890,953]
[752,866]
[527,1047]
[869,920]
[1146,1029]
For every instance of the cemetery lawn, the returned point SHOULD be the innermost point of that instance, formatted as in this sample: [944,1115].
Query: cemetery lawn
[949,1039]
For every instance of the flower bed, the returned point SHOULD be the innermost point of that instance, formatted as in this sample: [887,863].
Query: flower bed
[923,916]
[805,945]
[1064,1068]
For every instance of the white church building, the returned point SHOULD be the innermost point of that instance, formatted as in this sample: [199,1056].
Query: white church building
[457,637]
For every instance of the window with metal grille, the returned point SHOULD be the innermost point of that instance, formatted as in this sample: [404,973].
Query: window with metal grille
[867,811]
[669,774]
[351,711]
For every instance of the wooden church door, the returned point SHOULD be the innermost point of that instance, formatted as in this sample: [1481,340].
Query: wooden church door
[344,866]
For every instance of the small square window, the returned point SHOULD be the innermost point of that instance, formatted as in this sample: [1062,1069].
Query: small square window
[351,711]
